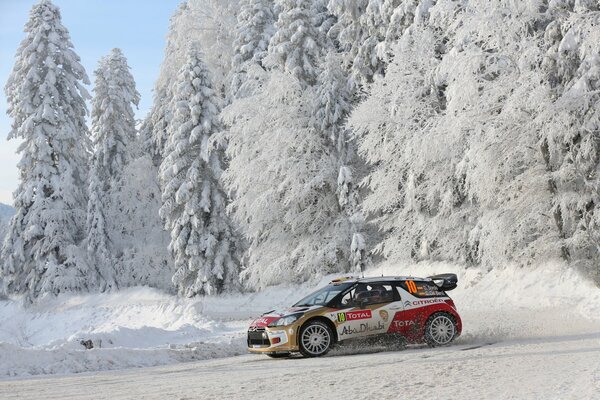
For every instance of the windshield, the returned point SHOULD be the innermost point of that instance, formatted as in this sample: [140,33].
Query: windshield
[324,295]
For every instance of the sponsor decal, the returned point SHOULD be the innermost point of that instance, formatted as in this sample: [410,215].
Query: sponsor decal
[263,321]
[425,302]
[402,324]
[407,303]
[384,315]
[411,286]
[362,328]
[353,315]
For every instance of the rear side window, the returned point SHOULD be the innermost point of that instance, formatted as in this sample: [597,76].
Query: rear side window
[367,294]
[421,289]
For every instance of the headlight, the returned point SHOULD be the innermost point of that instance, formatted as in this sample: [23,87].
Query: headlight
[283,321]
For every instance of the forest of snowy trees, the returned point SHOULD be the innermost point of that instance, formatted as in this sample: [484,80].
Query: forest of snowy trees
[289,139]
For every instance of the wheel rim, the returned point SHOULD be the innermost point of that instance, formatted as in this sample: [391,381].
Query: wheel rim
[441,329]
[316,339]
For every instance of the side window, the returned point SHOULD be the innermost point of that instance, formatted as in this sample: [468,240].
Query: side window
[373,293]
[347,300]
[421,289]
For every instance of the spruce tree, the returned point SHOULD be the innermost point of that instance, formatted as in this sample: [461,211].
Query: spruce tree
[255,27]
[46,101]
[296,46]
[204,245]
[114,136]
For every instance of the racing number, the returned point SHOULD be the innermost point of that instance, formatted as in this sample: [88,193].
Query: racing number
[412,287]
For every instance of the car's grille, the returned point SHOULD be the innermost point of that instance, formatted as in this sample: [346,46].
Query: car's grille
[258,337]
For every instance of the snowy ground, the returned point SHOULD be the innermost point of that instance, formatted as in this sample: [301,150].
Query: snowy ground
[560,367]
[534,335]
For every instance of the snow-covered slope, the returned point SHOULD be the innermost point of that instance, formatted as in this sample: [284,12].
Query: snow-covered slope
[140,327]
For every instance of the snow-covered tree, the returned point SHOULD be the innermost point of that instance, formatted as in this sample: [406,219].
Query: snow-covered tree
[114,137]
[254,29]
[137,231]
[331,107]
[46,101]
[296,46]
[355,31]
[204,245]
[210,24]
[569,129]
[450,134]
[153,132]
[283,174]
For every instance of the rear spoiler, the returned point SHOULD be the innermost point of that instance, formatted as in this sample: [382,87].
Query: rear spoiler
[445,281]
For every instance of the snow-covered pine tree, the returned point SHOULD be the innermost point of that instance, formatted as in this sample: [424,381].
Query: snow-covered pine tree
[46,101]
[210,24]
[283,172]
[137,230]
[296,46]
[323,19]
[360,27]
[153,132]
[254,29]
[114,137]
[569,129]
[331,106]
[411,158]
[205,247]
[493,89]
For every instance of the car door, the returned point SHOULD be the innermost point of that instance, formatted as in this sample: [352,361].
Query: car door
[366,310]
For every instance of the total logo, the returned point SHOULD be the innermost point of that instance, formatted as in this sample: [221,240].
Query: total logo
[403,324]
[353,315]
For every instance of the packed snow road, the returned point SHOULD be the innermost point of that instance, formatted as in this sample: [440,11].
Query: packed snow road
[554,367]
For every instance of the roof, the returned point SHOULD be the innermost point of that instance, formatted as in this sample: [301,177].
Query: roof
[370,279]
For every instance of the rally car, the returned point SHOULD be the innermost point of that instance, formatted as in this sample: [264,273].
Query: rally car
[415,309]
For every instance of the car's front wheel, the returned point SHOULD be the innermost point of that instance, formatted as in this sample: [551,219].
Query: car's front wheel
[440,329]
[316,339]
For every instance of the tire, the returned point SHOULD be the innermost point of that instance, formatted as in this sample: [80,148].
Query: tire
[279,355]
[316,339]
[440,329]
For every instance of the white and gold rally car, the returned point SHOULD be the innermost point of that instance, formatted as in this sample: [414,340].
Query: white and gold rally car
[418,309]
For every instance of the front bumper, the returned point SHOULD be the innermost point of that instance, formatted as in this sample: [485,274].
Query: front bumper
[272,340]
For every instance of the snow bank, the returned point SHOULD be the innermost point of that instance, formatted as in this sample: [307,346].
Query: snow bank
[133,328]
[141,327]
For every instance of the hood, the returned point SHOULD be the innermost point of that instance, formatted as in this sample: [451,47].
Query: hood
[271,316]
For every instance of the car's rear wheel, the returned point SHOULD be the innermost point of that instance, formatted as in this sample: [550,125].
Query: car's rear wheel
[316,339]
[440,329]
